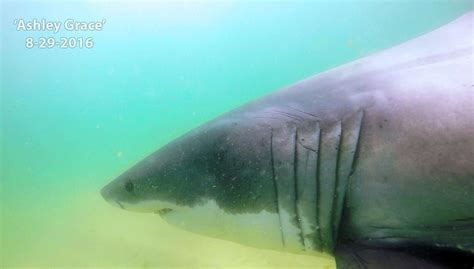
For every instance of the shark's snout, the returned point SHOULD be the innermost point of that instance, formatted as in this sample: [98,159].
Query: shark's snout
[107,193]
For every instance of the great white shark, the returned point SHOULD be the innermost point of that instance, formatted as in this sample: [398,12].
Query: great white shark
[371,162]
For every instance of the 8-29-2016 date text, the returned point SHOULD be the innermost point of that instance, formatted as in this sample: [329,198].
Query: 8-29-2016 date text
[61,42]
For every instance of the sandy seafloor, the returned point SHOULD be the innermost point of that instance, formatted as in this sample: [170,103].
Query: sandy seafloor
[72,120]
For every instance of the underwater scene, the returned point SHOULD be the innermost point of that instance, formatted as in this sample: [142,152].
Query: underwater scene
[90,88]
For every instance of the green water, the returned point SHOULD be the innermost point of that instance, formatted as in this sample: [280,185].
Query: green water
[73,119]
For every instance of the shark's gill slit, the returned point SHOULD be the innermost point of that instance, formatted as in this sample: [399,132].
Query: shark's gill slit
[337,181]
[330,142]
[272,160]
[318,237]
[283,148]
[350,136]
[295,180]
[356,151]
[306,185]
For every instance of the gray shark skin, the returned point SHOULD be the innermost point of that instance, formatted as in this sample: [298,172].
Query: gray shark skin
[371,162]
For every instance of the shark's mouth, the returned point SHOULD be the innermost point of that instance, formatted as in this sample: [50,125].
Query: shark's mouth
[163,211]
[120,205]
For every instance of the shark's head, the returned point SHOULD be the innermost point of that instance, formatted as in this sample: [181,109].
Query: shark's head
[216,180]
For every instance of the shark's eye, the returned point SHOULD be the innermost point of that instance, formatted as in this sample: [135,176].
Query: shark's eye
[129,186]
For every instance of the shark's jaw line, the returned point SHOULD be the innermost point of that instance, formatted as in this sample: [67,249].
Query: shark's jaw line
[261,230]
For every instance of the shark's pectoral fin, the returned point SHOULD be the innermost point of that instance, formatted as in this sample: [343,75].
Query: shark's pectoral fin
[353,256]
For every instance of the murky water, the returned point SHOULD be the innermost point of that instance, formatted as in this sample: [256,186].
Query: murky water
[73,119]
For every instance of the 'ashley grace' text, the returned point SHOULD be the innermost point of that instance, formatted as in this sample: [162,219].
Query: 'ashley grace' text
[55,26]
